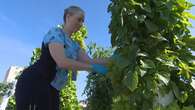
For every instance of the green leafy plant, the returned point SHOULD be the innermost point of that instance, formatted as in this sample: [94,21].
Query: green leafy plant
[156,66]
[68,97]
[99,88]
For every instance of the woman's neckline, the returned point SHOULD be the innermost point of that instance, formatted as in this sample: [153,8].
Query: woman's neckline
[65,34]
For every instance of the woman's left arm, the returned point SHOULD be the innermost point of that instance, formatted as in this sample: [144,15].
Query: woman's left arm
[83,57]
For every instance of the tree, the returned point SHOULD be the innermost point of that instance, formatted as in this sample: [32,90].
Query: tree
[5,89]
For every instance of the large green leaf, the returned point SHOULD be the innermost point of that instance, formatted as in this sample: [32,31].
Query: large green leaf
[131,80]
[189,108]
[164,79]
[182,96]
[146,63]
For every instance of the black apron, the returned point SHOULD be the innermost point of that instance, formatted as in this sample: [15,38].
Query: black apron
[33,89]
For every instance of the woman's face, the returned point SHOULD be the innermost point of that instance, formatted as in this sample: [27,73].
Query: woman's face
[75,21]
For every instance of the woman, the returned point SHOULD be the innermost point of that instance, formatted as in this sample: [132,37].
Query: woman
[39,85]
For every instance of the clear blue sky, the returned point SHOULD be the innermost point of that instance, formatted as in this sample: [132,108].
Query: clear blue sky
[23,24]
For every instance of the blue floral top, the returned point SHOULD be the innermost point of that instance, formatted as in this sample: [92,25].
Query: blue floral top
[71,49]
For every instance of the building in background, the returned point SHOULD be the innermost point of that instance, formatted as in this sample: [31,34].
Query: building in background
[11,73]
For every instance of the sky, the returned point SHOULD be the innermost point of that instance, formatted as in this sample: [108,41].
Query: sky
[23,24]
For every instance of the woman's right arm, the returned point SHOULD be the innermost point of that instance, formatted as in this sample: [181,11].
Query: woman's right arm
[57,53]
